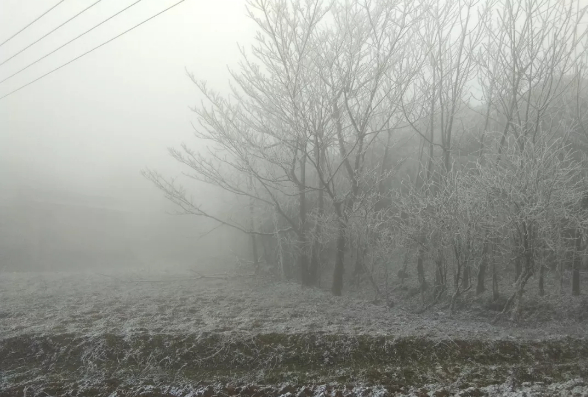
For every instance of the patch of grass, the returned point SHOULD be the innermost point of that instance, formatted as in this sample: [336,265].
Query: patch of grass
[294,358]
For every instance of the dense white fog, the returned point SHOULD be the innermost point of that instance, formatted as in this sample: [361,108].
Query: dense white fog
[293,198]
[77,140]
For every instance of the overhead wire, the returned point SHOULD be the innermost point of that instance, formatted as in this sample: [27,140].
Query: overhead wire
[47,34]
[93,49]
[69,42]
[35,20]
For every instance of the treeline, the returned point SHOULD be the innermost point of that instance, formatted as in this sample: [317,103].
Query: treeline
[453,132]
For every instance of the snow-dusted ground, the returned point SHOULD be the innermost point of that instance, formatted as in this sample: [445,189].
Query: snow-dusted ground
[87,316]
[159,302]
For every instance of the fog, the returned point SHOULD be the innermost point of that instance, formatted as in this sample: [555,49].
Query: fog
[309,198]
[72,145]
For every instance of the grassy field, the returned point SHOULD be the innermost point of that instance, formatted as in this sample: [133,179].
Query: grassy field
[174,334]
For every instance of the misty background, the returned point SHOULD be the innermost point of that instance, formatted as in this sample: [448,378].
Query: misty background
[72,144]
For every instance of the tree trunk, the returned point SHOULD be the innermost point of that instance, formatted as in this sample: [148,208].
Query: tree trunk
[440,278]
[576,264]
[402,273]
[480,287]
[381,203]
[281,264]
[466,275]
[313,272]
[421,270]
[358,263]
[518,265]
[543,260]
[541,279]
[253,237]
[265,250]
[495,291]
[303,256]
[303,237]
[525,275]
[432,132]
[255,253]
[337,288]
[516,312]
[315,259]
[560,272]
[518,268]
[303,261]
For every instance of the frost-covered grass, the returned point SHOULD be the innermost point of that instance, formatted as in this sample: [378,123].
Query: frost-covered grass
[170,333]
[158,302]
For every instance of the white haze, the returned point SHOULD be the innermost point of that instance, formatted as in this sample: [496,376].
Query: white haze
[88,129]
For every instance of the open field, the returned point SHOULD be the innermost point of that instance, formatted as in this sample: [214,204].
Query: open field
[157,333]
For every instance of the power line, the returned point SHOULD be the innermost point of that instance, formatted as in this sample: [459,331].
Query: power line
[71,41]
[36,41]
[95,48]
[39,17]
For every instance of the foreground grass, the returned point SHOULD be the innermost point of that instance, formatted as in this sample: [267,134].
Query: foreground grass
[70,364]
[82,334]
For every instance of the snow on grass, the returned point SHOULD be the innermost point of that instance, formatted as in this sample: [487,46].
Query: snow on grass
[150,329]
[177,303]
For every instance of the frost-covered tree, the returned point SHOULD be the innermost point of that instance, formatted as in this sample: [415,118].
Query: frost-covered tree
[305,139]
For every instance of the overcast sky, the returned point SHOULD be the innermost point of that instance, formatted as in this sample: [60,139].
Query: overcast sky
[93,125]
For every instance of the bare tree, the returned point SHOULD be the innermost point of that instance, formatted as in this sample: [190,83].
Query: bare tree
[305,138]
[533,189]
[363,63]
[257,138]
